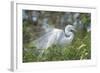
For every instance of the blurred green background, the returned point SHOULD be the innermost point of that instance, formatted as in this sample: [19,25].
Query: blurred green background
[79,49]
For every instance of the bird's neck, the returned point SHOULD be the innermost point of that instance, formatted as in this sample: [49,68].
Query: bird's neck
[69,35]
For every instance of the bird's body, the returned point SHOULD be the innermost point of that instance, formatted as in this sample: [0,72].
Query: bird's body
[55,37]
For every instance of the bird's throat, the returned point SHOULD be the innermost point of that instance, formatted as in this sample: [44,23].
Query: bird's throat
[67,35]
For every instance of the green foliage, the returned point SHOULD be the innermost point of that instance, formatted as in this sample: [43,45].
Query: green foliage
[85,18]
[79,49]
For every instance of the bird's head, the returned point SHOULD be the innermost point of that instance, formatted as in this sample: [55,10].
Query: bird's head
[70,28]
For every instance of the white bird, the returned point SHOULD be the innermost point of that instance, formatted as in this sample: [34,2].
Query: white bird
[55,37]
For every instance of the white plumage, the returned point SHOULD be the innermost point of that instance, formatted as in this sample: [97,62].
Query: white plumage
[55,37]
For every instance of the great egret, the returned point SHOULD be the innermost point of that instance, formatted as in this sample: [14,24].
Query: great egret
[55,37]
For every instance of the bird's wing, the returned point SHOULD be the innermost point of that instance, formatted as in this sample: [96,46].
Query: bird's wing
[45,41]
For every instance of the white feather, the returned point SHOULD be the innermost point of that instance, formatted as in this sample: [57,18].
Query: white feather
[54,37]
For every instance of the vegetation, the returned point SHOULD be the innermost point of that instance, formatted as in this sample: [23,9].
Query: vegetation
[79,49]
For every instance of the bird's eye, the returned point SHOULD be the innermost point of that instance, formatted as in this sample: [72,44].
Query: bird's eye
[71,30]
